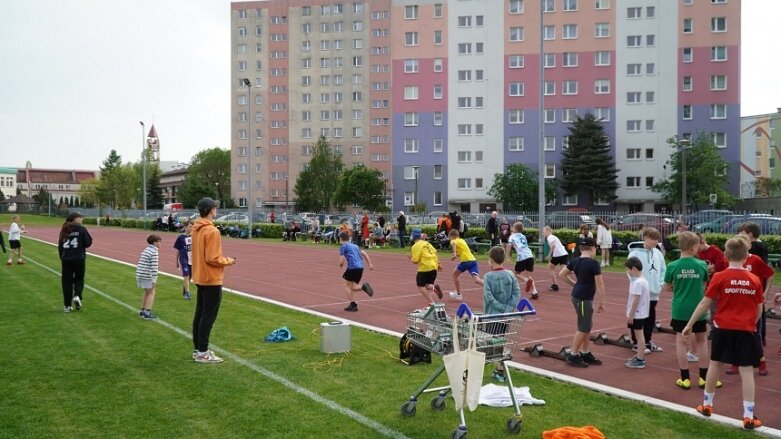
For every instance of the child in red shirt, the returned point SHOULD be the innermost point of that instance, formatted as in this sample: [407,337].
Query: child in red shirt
[740,297]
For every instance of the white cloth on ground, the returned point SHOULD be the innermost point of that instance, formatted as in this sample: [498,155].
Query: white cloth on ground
[494,395]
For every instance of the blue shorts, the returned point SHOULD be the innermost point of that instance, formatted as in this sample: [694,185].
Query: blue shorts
[187,270]
[470,266]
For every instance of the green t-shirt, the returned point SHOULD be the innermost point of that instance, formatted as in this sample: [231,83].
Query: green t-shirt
[688,276]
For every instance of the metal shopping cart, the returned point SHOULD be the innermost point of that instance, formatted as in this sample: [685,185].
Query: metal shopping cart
[495,335]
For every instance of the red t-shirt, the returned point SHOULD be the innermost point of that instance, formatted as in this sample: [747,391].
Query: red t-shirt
[759,268]
[737,293]
[715,256]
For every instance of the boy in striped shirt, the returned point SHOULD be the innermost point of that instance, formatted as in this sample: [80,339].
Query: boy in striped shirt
[146,274]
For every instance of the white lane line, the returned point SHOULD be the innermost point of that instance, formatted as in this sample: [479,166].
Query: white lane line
[355,416]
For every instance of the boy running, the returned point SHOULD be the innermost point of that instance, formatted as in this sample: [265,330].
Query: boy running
[524,261]
[354,257]
[637,308]
[466,262]
[654,268]
[501,294]
[146,275]
[183,247]
[15,241]
[588,283]
[424,255]
[557,257]
[739,297]
[686,278]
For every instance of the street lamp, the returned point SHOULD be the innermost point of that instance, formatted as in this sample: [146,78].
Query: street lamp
[416,169]
[143,167]
[217,184]
[682,145]
[287,197]
[250,201]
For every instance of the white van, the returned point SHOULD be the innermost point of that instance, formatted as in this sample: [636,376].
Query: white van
[173,207]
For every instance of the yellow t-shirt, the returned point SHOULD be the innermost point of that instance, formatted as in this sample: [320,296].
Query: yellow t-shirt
[425,255]
[462,250]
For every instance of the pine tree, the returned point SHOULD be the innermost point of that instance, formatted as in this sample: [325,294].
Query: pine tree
[154,193]
[316,185]
[589,170]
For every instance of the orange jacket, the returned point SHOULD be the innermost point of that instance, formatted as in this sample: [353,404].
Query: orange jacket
[208,261]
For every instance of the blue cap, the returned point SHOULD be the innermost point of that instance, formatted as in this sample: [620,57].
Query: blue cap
[416,234]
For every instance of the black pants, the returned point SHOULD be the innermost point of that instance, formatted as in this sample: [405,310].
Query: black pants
[207,306]
[401,238]
[648,324]
[72,280]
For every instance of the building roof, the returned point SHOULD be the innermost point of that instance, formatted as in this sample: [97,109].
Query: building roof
[58,176]
[7,170]
[19,199]
[152,132]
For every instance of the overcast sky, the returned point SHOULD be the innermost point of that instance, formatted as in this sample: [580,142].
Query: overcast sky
[77,76]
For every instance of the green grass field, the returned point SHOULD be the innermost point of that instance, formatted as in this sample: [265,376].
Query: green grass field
[104,372]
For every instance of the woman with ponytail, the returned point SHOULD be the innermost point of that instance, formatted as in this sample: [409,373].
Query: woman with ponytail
[73,242]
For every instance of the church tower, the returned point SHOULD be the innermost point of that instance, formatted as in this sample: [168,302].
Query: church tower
[153,145]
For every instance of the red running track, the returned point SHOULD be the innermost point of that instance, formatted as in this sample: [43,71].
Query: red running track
[308,276]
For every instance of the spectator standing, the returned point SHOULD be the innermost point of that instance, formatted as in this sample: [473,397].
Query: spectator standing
[15,232]
[492,228]
[654,268]
[183,247]
[146,274]
[365,229]
[208,268]
[72,248]
[583,233]
[402,225]
[505,231]
[604,241]
[272,217]
[381,221]
[315,224]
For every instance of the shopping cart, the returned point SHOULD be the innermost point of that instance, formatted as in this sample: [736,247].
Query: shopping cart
[496,336]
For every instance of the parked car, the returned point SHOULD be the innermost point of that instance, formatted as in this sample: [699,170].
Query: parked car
[704,216]
[664,223]
[765,221]
[715,225]
[236,218]
[563,219]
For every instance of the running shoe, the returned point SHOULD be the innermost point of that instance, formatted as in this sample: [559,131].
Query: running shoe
[77,302]
[20,262]
[438,291]
[554,287]
[701,383]
[195,353]
[684,384]
[529,284]
[575,360]
[635,363]
[732,370]
[705,410]
[750,424]
[207,357]
[692,358]
[535,296]
[66,309]
[352,307]
[367,288]
[634,349]
[590,359]
[186,295]
[653,347]
[762,368]
[148,315]
[455,295]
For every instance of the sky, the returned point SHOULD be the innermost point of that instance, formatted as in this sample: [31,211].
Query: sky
[77,76]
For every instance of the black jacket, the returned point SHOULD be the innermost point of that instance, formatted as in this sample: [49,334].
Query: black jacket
[492,227]
[74,246]
[402,222]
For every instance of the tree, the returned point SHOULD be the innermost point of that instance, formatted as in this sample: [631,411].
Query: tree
[316,185]
[88,192]
[517,188]
[111,180]
[42,199]
[154,193]
[209,175]
[362,186]
[587,165]
[2,195]
[704,167]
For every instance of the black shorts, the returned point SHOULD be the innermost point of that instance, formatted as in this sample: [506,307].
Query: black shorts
[559,260]
[353,275]
[636,325]
[14,243]
[734,347]
[424,278]
[585,311]
[525,265]
[678,325]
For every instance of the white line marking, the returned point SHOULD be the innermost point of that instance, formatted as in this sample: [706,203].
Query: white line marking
[355,416]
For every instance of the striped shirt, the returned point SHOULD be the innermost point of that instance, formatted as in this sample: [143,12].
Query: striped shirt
[148,264]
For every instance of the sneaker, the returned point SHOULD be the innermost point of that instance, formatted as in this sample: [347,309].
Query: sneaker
[186,295]
[66,309]
[535,296]
[352,307]
[652,347]
[750,424]
[207,357]
[575,361]
[705,410]
[367,288]
[554,287]
[762,368]
[455,295]
[9,263]
[147,315]
[590,359]
[20,262]
[692,358]
[529,284]
[732,370]
[195,353]
[635,363]
[498,376]
[634,349]
[77,302]
[438,291]
[685,385]
[701,383]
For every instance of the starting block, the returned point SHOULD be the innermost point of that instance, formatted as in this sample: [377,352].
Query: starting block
[623,341]
[538,350]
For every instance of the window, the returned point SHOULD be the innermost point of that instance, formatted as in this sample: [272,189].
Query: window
[570,5]
[464,156]
[356,149]
[634,12]
[549,60]
[686,112]
[688,55]
[411,92]
[437,118]
[602,114]
[464,75]
[516,6]
[438,145]
[478,183]
[357,61]
[650,124]
[411,119]
[437,10]
[549,88]
[437,91]
[601,86]
[601,58]
[633,153]
[649,153]
[464,183]
[549,143]
[649,182]
[718,53]
[650,40]
[633,126]
[437,198]
[650,97]
[718,82]
[548,5]
[634,97]
[633,182]
[601,4]
[438,64]
[516,89]
[411,66]
[242,168]
[569,87]
[602,30]
[650,68]
[515,117]
[357,26]
[568,115]
[411,12]
[242,31]
[411,145]
[549,32]
[465,21]
[569,59]
[720,140]
[718,111]
[550,170]
[650,12]
[464,48]
[410,38]
[570,31]
[634,40]
[718,24]
[464,102]
[687,83]
[479,76]
[438,37]
[516,61]
[357,131]
[516,33]
[515,143]
[634,69]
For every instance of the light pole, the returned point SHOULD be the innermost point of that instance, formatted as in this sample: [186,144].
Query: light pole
[287,197]
[682,144]
[143,167]
[250,200]
[541,152]
[416,169]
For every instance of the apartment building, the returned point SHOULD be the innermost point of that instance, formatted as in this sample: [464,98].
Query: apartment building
[441,95]
[759,153]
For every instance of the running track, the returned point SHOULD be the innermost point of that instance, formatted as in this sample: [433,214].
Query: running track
[307,275]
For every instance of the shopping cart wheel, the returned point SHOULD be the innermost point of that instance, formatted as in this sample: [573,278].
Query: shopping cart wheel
[438,403]
[459,433]
[408,408]
[514,425]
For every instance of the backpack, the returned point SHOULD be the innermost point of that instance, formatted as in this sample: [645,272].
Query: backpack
[410,354]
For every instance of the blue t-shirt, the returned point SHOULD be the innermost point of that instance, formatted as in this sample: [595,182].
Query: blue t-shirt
[183,244]
[352,253]
[585,270]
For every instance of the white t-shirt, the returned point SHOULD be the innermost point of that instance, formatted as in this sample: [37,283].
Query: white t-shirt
[555,244]
[14,232]
[604,237]
[638,286]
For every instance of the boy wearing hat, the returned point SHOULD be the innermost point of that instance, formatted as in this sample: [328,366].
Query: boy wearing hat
[424,255]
